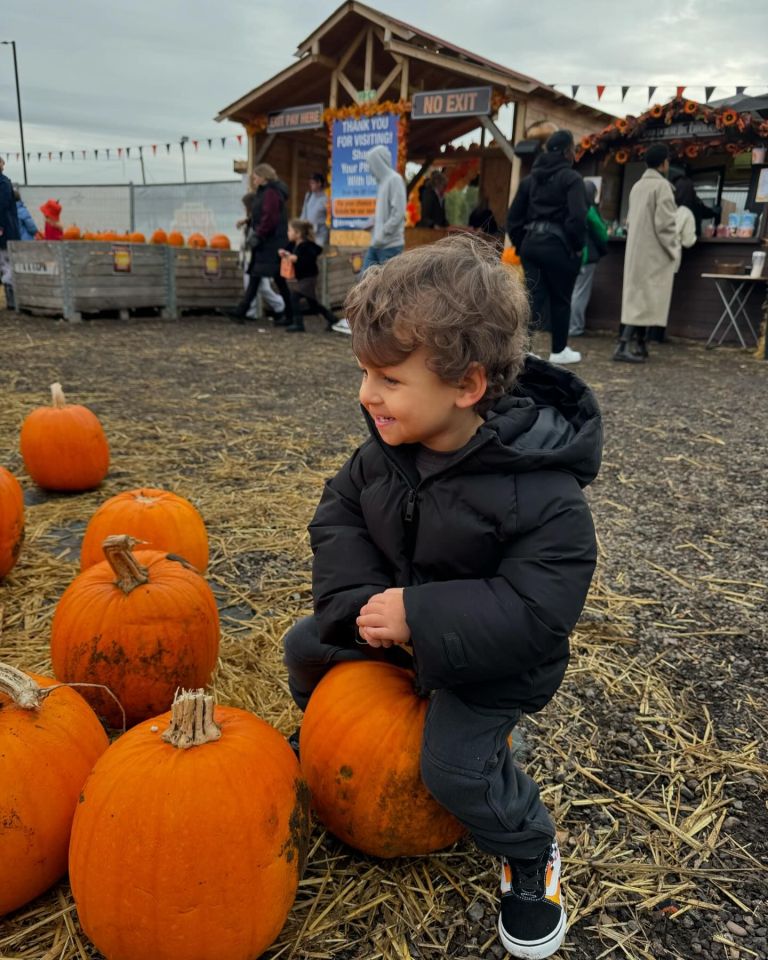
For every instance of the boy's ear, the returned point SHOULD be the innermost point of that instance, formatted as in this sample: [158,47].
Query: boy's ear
[473,385]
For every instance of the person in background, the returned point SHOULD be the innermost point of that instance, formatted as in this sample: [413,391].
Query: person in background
[52,229]
[456,541]
[651,256]
[547,223]
[433,201]
[9,230]
[315,208]
[388,233]
[595,248]
[27,226]
[482,220]
[686,196]
[302,253]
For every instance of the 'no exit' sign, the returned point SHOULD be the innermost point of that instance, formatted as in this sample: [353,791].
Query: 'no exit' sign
[466,102]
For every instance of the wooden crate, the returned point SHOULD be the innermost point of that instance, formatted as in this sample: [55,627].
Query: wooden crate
[203,279]
[69,278]
[339,270]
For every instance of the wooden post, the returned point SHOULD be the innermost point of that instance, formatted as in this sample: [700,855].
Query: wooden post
[333,96]
[404,79]
[294,177]
[518,132]
[368,59]
[251,154]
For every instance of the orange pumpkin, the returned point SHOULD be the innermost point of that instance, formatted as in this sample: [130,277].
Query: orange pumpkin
[509,256]
[141,643]
[175,239]
[367,788]
[190,853]
[220,241]
[49,741]
[11,520]
[64,446]
[71,233]
[136,237]
[196,240]
[159,236]
[161,520]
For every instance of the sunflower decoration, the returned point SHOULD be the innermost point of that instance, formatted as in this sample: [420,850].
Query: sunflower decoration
[692,151]
[690,107]
[729,117]
[656,111]
[622,125]
[621,156]
[586,142]
[733,148]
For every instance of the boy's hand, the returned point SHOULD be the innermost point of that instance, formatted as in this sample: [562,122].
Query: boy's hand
[382,620]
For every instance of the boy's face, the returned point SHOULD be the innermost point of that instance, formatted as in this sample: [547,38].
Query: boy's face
[411,404]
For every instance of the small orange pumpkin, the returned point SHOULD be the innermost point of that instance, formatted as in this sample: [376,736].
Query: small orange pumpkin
[220,241]
[71,232]
[64,446]
[161,520]
[366,788]
[140,643]
[49,741]
[11,520]
[175,239]
[136,237]
[190,837]
[509,256]
[159,236]
[197,240]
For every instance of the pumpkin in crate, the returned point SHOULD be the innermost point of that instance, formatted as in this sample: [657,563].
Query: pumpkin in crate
[190,837]
[71,232]
[159,236]
[175,239]
[220,241]
[360,753]
[142,624]
[161,520]
[63,446]
[11,520]
[49,742]
[197,240]
[136,236]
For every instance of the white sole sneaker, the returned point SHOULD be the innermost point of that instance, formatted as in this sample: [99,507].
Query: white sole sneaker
[565,356]
[342,326]
[534,949]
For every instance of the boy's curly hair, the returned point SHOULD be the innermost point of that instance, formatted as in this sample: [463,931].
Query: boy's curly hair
[454,297]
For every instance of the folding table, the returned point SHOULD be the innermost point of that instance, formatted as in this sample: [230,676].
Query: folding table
[735,290]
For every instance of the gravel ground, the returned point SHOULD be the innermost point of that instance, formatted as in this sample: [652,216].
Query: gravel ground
[664,708]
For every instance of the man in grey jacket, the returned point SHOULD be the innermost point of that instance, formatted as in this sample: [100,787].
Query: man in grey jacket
[388,233]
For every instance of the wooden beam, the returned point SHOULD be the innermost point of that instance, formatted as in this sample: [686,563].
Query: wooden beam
[518,132]
[262,151]
[404,81]
[349,52]
[368,74]
[323,59]
[388,79]
[499,137]
[333,96]
[348,86]
[421,171]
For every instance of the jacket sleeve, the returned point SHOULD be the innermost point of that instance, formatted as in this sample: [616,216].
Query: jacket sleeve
[598,230]
[270,215]
[348,567]
[575,224]
[517,213]
[29,224]
[470,631]
[665,220]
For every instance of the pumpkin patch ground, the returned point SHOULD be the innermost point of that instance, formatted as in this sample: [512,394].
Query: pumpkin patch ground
[652,755]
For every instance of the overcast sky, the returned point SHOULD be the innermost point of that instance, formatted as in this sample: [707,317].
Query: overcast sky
[97,74]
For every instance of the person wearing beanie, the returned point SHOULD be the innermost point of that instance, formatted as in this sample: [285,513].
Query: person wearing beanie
[315,208]
[547,223]
[651,256]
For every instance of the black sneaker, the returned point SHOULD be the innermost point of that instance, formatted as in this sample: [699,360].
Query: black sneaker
[532,918]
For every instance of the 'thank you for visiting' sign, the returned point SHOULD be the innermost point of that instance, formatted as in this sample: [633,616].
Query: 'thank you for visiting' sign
[353,186]
[466,102]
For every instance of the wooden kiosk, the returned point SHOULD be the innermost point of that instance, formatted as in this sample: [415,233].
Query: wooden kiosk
[381,76]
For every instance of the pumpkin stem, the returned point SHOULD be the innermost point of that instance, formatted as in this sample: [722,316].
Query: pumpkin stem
[130,573]
[23,690]
[57,396]
[192,722]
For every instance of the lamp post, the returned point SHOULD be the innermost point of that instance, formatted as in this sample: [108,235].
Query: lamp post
[184,157]
[12,45]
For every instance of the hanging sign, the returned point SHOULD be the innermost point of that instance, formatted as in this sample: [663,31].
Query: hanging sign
[38,268]
[466,102]
[353,186]
[212,265]
[295,118]
[692,128]
[121,258]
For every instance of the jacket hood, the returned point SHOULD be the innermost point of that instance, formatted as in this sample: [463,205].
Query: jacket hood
[550,420]
[281,187]
[546,165]
[379,162]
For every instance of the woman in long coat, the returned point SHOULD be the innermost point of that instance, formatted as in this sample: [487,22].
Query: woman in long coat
[651,256]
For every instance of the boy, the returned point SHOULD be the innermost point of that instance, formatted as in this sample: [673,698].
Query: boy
[459,528]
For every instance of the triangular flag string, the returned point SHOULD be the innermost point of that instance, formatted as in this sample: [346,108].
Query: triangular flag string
[600,91]
[624,92]
[708,91]
[651,91]
[679,93]
[574,90]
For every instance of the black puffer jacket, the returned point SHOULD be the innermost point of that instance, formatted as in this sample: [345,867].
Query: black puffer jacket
[554,193]
[496,551]
[268,228]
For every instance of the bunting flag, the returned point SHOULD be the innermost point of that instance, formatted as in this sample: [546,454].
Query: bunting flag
[679,93]
[210,142]
[96,154]
[141,152]
[195,144]
[154,149]
[83,152]
[600,91]
[574,90]
[708,91]
[167,148]
[50,154]
[39,156]
[73,154]
[223,142]
[624,92]
[740,91]
[61,155]
[127,151]
[119,152]
[239,139]
[107,153]
[651,91]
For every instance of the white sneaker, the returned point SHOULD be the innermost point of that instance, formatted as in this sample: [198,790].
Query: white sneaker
[342,326]
[566,355]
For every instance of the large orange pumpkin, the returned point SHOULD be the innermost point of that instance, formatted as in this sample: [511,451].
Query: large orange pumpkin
[159,236]
[175,239]
[71,233]
[136,236]
[49,741]
[189,842]
[11,520]
[197,240]
[64,446]
[360,749]
[220,241]
[142,624]
[160,519]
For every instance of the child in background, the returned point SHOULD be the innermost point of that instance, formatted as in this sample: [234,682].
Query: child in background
[459,528]
[52,230]
[27,226]
[302,252]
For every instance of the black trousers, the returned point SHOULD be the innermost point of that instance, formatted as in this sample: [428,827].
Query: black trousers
[252,289]
[550,275]
[302,304]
